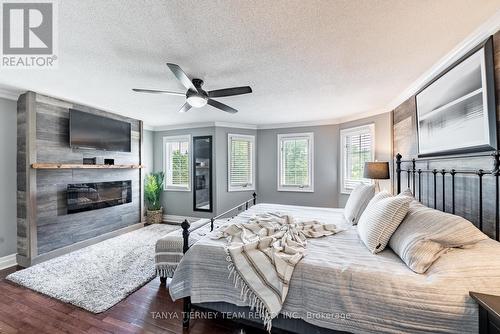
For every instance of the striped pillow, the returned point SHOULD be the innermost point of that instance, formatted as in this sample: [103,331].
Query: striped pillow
[406,192]
[357,202]
[380,219]
[425,234]
[379,196]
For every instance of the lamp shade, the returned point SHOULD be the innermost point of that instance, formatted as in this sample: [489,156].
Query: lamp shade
[376,170]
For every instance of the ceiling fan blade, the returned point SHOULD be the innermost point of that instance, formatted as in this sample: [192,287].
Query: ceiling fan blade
[230,91]
[222,106]
[183,78]
[185,107]
[154,91]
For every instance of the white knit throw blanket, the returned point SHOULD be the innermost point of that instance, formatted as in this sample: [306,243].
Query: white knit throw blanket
[262,255]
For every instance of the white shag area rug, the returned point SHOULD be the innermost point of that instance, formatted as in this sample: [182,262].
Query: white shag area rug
[99,276]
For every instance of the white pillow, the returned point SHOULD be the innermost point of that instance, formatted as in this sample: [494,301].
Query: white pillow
[379,196]
[380,219]
[357,202]
[406,192]
[425,234]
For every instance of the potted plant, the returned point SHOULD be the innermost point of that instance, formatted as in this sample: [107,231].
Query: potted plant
[153,187]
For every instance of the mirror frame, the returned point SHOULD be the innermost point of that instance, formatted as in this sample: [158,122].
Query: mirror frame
[210,195]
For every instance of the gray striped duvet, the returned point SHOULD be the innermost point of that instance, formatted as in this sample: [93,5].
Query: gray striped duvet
[340,285]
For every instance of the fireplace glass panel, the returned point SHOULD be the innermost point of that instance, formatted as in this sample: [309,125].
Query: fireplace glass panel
[92,196]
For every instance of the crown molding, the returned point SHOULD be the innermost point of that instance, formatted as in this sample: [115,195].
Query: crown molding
[268,126]
[236,125]
[298,124]
[488,28]
[13,94]
[9,94]
[363,115]
[205,125]
[183,126]
[335,121]
[243,126]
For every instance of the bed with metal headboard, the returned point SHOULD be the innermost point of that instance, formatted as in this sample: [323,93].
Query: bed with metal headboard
[340,274]
[437,187]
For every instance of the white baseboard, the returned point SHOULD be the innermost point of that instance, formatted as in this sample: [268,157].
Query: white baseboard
[178,219]
[8,261]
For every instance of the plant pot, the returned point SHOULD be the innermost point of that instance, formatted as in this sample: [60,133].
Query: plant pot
[154,217]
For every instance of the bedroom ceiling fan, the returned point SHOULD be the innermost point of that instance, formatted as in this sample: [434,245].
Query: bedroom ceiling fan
[196,97]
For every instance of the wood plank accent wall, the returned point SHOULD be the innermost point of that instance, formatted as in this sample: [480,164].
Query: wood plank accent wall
[467,187]
[44,228]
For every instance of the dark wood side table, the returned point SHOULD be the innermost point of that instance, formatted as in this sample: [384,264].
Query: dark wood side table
[489,312]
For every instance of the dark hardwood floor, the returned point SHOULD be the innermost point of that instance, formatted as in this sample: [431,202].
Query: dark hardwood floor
[148,310]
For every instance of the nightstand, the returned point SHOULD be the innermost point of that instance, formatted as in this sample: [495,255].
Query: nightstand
[489,312]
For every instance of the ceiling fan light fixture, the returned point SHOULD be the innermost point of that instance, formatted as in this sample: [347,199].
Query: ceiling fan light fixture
[196,101]
[196,97]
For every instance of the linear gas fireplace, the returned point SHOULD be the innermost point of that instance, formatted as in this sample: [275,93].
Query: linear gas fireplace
[92,196]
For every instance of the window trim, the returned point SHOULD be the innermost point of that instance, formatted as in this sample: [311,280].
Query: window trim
[281,187]
[166,140]
[251,186]
[351,131]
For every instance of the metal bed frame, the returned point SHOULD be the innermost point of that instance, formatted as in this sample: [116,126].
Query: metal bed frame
[185,235]
[414,178]
[414,182]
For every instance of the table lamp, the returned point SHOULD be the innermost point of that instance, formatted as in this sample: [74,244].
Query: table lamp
[376,171]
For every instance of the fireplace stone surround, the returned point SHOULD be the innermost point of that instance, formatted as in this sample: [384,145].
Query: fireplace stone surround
[44,227]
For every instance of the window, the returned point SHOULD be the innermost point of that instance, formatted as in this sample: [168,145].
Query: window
[357,147]
[241,162]
[176,159]
[295,163]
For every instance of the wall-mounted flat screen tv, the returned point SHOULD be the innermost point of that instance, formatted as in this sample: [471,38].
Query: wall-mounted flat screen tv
[89,131]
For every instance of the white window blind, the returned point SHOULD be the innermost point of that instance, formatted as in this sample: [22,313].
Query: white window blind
[241,160]
[177,171]
[295,162]
[357,148]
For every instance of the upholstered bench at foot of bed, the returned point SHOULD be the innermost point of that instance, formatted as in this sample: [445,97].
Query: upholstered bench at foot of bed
[168,249]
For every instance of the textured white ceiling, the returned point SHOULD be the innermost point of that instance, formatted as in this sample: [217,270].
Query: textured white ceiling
[305,60]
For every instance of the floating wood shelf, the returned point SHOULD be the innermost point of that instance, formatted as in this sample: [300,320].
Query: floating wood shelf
[81,166]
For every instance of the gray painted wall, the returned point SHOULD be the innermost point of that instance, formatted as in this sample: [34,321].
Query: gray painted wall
[148,149]
[383,145]
[180,203]
[326,147]
[147,156]
[327,158]
[227,200]
[8,189]
[326,166]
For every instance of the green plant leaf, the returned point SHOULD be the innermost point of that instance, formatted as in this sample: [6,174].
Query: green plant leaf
[153,188]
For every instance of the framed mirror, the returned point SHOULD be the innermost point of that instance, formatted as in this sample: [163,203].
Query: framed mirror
[202,173]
